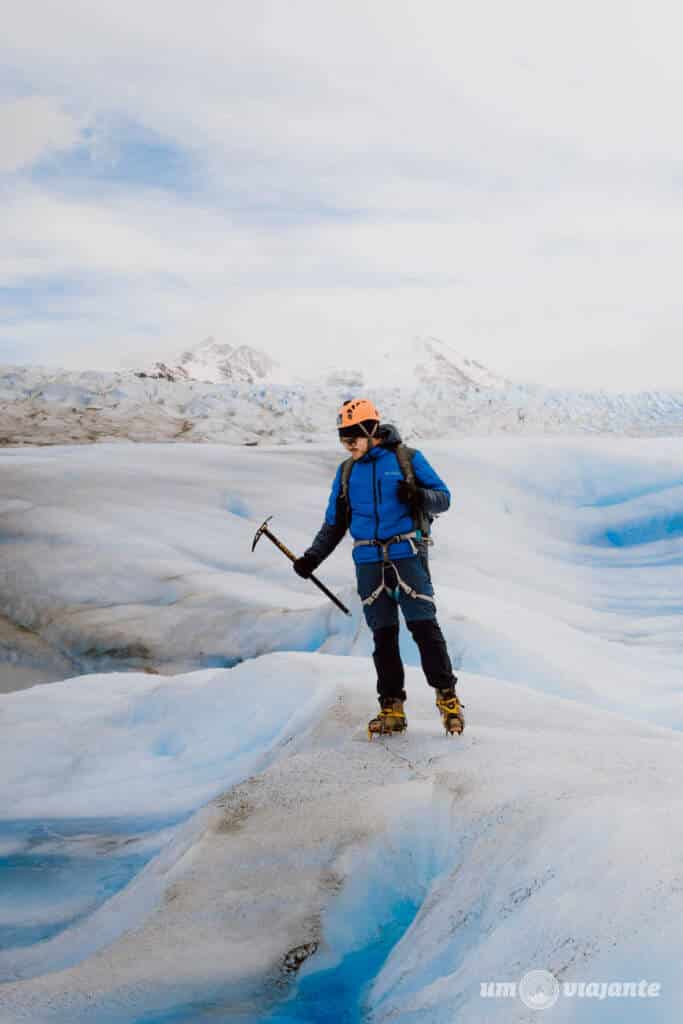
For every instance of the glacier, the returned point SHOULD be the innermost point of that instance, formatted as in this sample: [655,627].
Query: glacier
[187,768]
[238,395]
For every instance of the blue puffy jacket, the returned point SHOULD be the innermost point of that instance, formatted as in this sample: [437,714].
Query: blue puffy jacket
[375,510]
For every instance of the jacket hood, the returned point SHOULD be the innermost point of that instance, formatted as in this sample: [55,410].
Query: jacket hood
[389,435]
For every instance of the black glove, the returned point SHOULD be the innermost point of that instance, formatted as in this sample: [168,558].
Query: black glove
[408,493]
[304,566]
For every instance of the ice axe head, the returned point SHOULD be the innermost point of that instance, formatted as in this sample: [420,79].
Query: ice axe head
[262,528]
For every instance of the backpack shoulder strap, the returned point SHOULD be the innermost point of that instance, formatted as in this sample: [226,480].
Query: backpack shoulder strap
[404,454]
[347,466]
[422,519]
[343,504]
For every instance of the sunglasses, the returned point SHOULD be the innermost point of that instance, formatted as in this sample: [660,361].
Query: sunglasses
[349,442]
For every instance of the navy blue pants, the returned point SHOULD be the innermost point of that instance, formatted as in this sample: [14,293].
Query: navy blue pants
[420,617]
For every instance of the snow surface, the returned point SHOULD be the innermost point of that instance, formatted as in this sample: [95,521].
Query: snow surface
[232,821]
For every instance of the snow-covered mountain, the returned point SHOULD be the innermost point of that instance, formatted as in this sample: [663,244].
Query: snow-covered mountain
[403,364]
[216,362]
[219,362]
[418,361]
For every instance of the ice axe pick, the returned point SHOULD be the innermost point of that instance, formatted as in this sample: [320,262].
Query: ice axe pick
[264,531]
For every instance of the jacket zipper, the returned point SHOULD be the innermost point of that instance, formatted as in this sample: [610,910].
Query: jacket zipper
[374,495]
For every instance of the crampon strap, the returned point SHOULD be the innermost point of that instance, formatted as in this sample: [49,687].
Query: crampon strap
[451,704]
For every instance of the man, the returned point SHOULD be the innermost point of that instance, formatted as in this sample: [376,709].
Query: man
[386,506]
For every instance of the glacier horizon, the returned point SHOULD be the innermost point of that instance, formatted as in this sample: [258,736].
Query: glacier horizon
[429,388]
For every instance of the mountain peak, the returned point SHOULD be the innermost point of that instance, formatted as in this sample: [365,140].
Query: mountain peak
[220,362]
[415,361]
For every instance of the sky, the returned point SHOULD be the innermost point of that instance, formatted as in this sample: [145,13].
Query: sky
[315,179]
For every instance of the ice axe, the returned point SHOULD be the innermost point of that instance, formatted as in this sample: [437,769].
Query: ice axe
[263,530]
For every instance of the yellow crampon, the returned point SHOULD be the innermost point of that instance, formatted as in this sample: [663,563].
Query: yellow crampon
[390,719]
[451,714]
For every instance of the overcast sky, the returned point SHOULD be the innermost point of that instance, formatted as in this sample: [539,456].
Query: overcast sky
[314,177]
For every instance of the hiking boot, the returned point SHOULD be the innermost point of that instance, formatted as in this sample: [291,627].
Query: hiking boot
[451,711]
[390,719]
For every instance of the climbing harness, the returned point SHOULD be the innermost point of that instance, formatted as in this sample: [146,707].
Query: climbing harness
[387,563]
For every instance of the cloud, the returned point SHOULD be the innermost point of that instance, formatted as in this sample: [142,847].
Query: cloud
[507,176]
[33,128]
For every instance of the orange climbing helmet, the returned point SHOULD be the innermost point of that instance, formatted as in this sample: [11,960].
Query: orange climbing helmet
[357,416]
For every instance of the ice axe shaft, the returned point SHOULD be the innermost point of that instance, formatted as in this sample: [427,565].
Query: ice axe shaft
[263,531]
